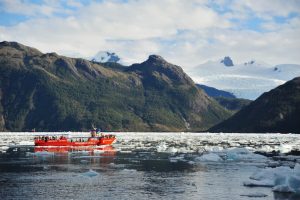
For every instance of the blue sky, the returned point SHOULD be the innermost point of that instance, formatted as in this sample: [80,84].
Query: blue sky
[184,32]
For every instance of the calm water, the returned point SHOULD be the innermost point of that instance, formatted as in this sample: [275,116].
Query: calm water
[139,166]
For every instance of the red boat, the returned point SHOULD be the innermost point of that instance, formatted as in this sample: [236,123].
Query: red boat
[75,141]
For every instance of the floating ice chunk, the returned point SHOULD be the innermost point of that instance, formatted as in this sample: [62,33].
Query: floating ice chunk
[269,173]
[90,173]
[125,151]
[210,157]
[162,147]
[297,169]
[243,154]
[97,151]
[84,161]
[172,150]
[172,160]
[129,171]
[29,143]
[177,158]
[191,162]
[287,183]
[283,188]
[284,179]
[294,183]
[285,148]
[43,153]
[183,150]
[217,149]
[4,148]
[266,148]
[254,195]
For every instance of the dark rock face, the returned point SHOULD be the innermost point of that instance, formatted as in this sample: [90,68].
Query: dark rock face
[233,104]
[49,92]
[214,92]
[112,57]
[227,61]
[274,111]
[225,99]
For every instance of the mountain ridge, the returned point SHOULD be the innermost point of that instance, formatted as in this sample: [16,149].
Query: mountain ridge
[49,92]
[274,111]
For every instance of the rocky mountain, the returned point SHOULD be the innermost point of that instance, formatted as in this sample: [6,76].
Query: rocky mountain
[227,61]
[233,104]
[214,92]
[224,98]
[247,80]
[275,111]
[49,92]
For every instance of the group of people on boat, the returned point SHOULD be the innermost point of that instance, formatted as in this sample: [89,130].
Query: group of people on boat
[47,138]
[95,133]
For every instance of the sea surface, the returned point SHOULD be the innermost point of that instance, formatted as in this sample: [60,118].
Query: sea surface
[146,166]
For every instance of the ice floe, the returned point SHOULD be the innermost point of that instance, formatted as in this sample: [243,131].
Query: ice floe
[231,155]
[27,143]
[243,154]
[282,179]
[162,147]
[210,157]
[91,173]
[285,148]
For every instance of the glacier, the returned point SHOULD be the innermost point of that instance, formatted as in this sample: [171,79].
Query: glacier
[247,80]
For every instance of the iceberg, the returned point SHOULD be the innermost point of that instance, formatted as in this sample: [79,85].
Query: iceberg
[285,148]
[172,150]
[91,173]
[282,179]
[27,143]
[162,147]
[210,157]
[243,154]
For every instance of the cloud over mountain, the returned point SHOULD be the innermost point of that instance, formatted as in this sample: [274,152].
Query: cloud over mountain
[184,32]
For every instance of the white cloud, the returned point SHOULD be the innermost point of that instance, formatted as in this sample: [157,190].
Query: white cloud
[186,33]
[25,7]
[265,8]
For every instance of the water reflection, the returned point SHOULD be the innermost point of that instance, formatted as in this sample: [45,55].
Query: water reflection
[91,173]
[59,155]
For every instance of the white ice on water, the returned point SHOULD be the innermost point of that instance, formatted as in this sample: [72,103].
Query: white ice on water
[231,154]
[91,173]
[282,179]
[210,157]
[205,147]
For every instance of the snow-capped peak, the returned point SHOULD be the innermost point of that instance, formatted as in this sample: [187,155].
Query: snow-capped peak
[227,61]
[251,62]
[246,80]
[105,56]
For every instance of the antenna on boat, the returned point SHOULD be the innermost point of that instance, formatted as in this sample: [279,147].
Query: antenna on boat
[93,131]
